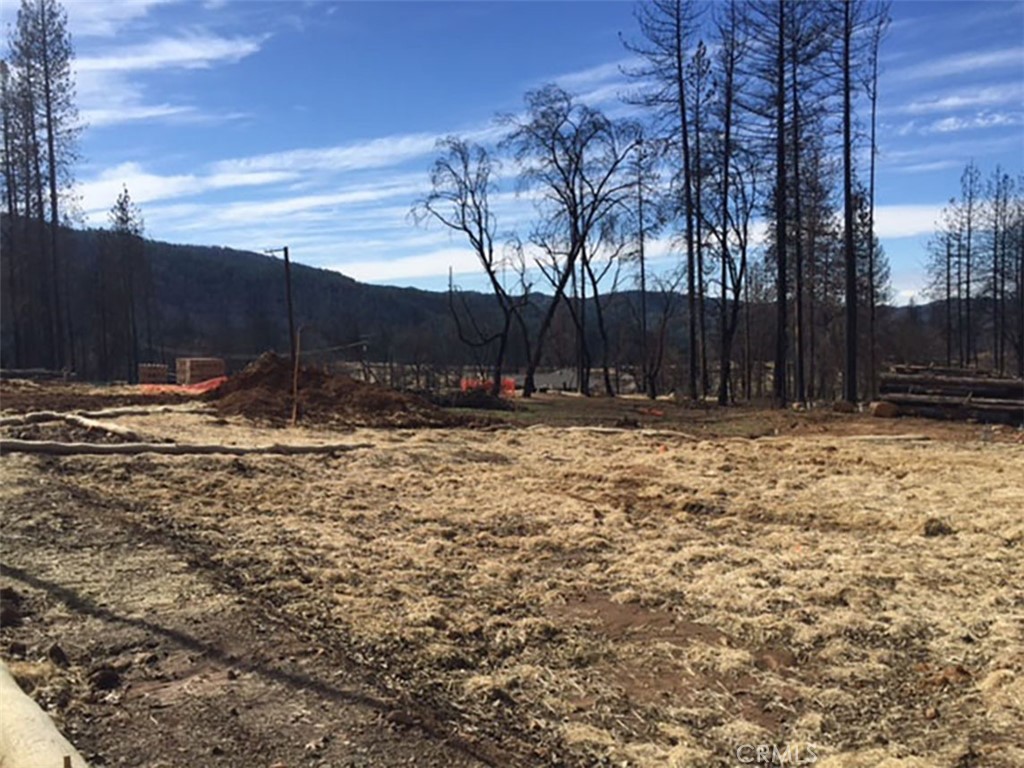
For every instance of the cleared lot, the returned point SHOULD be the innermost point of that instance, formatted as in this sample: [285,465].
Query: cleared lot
[529,596]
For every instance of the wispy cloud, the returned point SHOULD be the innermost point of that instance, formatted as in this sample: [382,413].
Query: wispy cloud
[953,148]
[196,51]
[975,122]
[372,153]
[906,220]
[990,96]
[111,84]
[324,205]
[98,117]
[459,260]
[96,18]
[938,165]
[99,193]
[591,77]
[963,63]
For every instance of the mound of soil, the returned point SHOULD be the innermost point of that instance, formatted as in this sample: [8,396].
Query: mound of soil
[263,392]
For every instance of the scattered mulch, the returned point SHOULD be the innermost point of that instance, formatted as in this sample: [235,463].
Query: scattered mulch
[263,392]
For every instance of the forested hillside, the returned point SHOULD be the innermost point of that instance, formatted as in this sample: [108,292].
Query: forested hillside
[209,300]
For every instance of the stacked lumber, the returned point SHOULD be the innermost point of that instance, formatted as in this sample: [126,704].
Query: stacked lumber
[192,370]
[152,373]
[954,393]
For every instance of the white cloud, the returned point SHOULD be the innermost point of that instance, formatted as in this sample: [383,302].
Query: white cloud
[99,193]
[197,51]
[460,260]
[105,18]
[372,153]
[973,122]
[1005,93]
[323,204]
[598,75]
[962,63]
[959,151]
[906,220]
[111,91]
[937,165]
[97,117]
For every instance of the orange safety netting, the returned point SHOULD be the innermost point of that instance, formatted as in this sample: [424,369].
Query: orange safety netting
[198,388]
[508,386]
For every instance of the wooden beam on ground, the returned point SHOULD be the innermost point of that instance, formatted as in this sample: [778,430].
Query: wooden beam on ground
[28,737]
[172,449]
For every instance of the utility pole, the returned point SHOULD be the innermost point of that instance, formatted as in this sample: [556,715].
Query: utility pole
[288,294]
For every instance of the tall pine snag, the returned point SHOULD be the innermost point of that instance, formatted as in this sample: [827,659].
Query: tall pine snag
[45,133]
[123,277]
[667,28]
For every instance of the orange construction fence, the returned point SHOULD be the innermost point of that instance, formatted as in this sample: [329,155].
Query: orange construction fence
[198,388]
[508,386]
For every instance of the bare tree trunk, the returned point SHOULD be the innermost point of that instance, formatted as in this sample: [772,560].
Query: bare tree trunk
[781,243]
[801,389]
[949,302]
[687,198]
[850,370]
[872,288]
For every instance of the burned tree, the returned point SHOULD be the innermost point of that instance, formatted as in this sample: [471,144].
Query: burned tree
[572,158]
[461,182]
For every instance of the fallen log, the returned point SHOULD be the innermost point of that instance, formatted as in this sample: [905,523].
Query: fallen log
[964,413]
[952,401]
[35,417]
[887,438]
[128,410]
[48,417]
[952,385]
[172,449]
[99,426]
[28,737]
[940,370]
[41,417]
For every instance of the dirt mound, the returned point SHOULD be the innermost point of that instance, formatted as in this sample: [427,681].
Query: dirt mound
[263,392]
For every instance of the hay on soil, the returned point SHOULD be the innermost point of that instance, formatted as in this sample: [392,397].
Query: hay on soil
[263,392]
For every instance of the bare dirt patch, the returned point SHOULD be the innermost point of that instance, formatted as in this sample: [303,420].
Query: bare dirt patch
[529,596]
[22,396]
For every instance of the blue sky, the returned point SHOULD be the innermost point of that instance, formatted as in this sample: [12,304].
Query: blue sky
[255,124]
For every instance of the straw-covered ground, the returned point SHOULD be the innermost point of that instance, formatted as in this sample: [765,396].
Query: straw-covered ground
[531,595]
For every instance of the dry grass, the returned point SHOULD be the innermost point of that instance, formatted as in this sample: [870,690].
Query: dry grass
[632,598]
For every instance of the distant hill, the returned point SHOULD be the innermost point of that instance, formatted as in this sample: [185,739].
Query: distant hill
[229,303]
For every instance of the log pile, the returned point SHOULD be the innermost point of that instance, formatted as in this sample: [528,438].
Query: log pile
[954,393]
